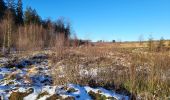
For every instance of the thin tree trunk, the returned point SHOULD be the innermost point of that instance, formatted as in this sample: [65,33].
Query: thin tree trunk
[4,40]
[9,32]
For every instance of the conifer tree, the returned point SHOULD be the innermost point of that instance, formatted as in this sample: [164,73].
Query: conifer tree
[2,8]
[11,9]
[19,12]
[31,16]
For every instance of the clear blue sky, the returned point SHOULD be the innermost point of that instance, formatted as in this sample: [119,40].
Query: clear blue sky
[123,20]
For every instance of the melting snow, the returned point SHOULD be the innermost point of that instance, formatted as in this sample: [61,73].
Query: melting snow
[42,82]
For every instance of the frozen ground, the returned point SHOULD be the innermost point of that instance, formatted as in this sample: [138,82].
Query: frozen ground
[32,75]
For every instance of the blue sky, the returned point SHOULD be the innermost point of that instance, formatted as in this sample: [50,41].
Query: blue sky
[123,20]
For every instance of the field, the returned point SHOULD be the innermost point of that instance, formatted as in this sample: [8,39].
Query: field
[48,50]
[121,71]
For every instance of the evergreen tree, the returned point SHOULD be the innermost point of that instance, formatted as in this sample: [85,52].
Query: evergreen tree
[11,9]
[27,15]
[47,24]
[19,12]
[59,26]
[68,31]
[11,4]
[2,8]
[31,16]
[36,18]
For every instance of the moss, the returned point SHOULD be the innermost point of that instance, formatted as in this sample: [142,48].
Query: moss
[70,90]
[92,83]
[20,95]
[12,76]
[57,96]
[64,88]
[1,54]
[69,98]
[42,94]
[97,96]
[54,97]
[111,98]
[99,91]
[10,83]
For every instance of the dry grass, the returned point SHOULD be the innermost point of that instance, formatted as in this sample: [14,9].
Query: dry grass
[137,44]
[20,95]
[127,68]
[139,74]
[149,75]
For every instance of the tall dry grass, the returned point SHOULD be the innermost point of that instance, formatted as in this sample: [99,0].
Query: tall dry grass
[146,78]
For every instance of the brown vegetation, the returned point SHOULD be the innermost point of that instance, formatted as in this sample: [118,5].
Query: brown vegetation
[132,72]
[20,95]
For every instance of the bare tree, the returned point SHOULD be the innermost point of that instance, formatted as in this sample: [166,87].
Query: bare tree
[7,26]
[3,28]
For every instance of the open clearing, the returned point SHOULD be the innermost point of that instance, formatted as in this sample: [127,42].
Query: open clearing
[105,71]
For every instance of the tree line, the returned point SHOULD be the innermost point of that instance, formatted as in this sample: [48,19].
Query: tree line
[26,30]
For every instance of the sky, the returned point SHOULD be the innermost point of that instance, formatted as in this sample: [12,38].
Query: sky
[120,20]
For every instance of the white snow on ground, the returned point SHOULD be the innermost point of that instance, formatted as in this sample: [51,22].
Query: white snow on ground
[92,72]
[18,80]
[81,92]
